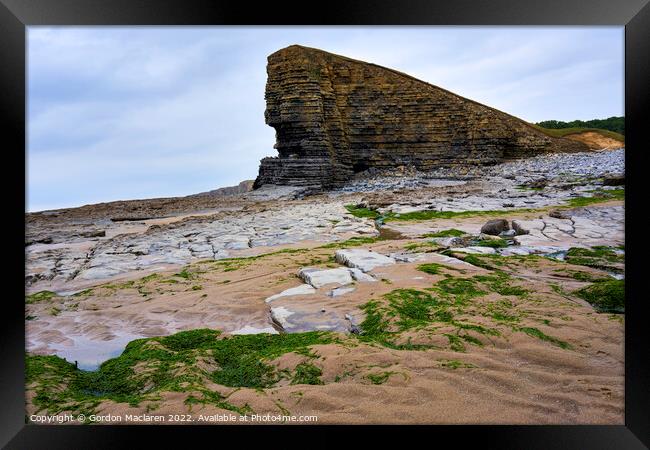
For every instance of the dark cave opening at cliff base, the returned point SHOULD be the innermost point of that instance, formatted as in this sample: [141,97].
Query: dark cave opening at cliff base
[360,166]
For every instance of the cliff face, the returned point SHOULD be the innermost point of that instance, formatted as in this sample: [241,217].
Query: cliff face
[335,116]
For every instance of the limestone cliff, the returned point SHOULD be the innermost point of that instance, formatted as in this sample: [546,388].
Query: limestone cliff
[335,116]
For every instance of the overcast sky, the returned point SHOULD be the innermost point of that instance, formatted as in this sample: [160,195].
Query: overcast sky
[119,113]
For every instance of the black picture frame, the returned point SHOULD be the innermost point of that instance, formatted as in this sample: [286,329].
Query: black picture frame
[16,15]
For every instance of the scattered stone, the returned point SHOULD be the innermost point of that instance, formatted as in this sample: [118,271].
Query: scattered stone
[275,192]
[508,233]
[403,257]
[448,242]
[537,184]
[93,233]
[279,315]
[254,330]
[354,328]
[559,255]
[518,228]
[300,319]
[44,240]
[510,251]
[98,273]
[337,292]
[614,180]
[322,277]
[362,259]
[201,237]
[560,214]
[303,289]
[358,275]
[494,227]
[476,250]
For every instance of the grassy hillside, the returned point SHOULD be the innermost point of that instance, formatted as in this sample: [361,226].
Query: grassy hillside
[563,132]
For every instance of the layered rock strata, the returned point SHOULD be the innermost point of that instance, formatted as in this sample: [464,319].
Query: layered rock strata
[335,116]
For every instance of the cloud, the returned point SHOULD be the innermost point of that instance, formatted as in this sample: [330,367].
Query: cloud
[140,112]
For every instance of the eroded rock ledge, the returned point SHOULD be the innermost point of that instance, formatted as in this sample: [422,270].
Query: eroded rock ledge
[335,116]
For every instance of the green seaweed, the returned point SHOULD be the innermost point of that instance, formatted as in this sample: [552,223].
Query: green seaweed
[480,261]
[379,378]
[598,196]
[430,268]
[39,297]
[544,337]
[598,257]
[185,274]
[493,243]
[461,287]
[583,276]
[455,364]
[362,212]
[241,357]
[455,343]
[306,373]
[452,232]
[352,242]
[405,310]
[148,367]
[605,296]
[499,282]
[430,214]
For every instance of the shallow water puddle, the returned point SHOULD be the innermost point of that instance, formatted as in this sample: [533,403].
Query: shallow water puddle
[89,353]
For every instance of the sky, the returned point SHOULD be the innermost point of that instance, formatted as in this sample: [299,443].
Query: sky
[117,113]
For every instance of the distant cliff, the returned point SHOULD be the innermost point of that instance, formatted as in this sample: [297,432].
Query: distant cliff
[241,188]
[335,116]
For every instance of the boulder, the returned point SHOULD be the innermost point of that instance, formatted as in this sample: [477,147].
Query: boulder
[536,184]
[514,251]
[362,259]
[452,241]
[407,257]
[280,315]
[518,228]
[560,214]
[358,275]
[322,277]
[476,250]
[303,289]
[337,292]
[254,330]
[614,180]
[93,233]
[301,318]
[495,227]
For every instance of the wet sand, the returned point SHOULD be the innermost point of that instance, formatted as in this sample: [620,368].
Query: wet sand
[572,374]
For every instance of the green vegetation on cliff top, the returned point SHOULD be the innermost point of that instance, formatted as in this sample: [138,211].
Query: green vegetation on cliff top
[614,124]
